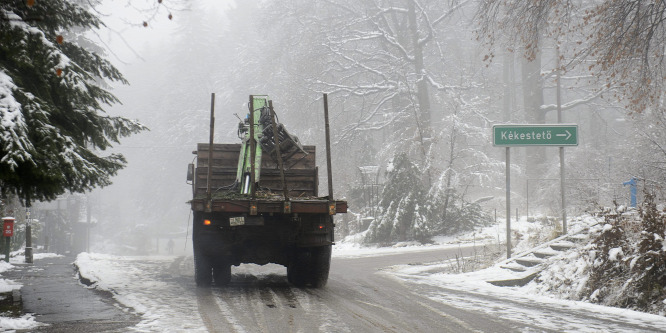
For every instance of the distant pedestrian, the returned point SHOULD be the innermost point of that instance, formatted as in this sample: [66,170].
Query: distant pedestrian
[170,245]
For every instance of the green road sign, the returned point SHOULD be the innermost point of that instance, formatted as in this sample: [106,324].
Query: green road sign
[535,135]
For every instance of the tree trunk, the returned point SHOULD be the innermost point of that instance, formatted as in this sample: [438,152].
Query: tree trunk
[532,101]
[424,118]
[449,174]
[508,82]
[421,83]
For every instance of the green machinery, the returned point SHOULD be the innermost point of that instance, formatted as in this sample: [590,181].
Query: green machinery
[260,123]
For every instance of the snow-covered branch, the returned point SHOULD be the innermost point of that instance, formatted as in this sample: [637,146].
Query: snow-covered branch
[574,103]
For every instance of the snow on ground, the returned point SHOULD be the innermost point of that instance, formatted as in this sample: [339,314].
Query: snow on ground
[163,303]
[527,233]
[351,250]
[7,285]
[25,322]
[510,303]
[564,266]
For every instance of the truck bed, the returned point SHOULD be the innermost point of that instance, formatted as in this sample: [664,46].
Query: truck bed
[301,173]
[301,176]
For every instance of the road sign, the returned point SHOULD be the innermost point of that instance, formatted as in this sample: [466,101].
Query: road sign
[512,135]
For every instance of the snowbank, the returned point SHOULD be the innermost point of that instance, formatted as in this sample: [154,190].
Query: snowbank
[24,322]
[164,304]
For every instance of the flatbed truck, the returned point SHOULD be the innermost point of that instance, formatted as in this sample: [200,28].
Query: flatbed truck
[258,202]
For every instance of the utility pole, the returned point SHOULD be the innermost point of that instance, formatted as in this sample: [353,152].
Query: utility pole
[88,219]
[28,235]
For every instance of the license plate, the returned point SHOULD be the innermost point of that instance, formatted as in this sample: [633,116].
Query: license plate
[236,221]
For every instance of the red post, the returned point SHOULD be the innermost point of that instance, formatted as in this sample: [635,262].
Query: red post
[7,232]
[8,226]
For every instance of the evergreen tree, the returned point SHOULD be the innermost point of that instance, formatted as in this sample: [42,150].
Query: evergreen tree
[52,91]
[401,197]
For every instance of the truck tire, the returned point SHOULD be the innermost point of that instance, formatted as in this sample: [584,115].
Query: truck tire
[296,271]
[222,273]
[310,267]
[202,271]
[320,267]
[203,267]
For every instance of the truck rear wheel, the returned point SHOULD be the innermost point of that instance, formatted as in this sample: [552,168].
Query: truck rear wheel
[310,267]
[222,273]
[202,270]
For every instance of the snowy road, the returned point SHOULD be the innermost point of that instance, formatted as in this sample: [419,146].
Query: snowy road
[364,294]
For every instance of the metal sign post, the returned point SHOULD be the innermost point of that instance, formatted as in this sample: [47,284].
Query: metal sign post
[525,135]
[508,202]
[28,237]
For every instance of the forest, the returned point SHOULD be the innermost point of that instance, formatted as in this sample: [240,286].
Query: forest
[414,88]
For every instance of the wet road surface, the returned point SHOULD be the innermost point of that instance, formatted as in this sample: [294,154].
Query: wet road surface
[358,298]
[363,295]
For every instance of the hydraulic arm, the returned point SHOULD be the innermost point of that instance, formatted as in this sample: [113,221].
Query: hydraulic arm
[258,124]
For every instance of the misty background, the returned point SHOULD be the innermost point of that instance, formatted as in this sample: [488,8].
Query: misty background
[413,95]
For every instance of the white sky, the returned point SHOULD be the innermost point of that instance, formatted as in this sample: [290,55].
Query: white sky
[125,35]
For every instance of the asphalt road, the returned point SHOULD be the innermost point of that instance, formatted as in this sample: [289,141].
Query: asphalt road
[362,296]
[358,298]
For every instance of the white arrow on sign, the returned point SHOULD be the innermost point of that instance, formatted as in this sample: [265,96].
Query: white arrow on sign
[568,135]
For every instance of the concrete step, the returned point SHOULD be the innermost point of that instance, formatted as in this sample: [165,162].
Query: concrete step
[517,282]
[542,254]
[562,246]
[528,262]
[525,267]
[577,238]
[512,266]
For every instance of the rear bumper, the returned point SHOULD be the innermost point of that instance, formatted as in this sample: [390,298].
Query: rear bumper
[268,206]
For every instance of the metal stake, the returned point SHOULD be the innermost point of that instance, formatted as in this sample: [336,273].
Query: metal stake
[328,150]
[210,154]
[508,203]
[253,147]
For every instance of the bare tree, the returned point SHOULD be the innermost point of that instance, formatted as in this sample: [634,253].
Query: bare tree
[628,41]
[620,42]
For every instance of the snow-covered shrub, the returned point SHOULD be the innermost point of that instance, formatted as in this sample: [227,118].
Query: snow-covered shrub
[608,260]
[447,212]
[648,266]
[399,203]
[461,216]
[629,261]
[410,212]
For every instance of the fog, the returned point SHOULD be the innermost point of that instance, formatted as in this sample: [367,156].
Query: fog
[434,100]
